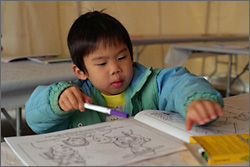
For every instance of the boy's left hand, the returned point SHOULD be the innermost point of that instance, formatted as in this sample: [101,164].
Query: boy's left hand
[201,112]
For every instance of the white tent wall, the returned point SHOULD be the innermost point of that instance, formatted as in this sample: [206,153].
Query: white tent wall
[41,27]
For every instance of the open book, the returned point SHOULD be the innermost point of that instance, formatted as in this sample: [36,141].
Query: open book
[233,121]
[9,59]
[42,59]
[50,60]
[106,144]
[149,134]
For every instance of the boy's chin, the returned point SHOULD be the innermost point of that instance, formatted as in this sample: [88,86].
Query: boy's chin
[111,93]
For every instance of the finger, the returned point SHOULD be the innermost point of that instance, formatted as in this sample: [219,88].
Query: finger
[202,110]
[214,109]
[80,100]
[199,116]
[64,107]
[189,123]
[87,99]
[68,103]
[210,109]
[72,100]
[64,103]
[81,104]
[193,118]
[219,109]
[74,96]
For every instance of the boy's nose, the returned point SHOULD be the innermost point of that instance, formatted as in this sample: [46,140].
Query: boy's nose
[115,69]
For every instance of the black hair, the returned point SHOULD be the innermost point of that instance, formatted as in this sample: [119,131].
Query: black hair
[92,28]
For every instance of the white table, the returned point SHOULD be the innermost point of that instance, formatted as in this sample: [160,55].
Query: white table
[19,79]
[182,158]
[166,39]
[178,54]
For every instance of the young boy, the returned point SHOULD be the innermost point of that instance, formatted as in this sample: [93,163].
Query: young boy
[102,56]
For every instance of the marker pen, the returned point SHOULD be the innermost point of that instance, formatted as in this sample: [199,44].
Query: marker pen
[105,110]
[203,154]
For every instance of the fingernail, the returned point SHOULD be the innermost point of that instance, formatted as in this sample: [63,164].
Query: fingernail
[207,120]
[201,122]
[213,117]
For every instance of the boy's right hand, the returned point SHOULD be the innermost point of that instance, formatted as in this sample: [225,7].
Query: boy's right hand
[73,98]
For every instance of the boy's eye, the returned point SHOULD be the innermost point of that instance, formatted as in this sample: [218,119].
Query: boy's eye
[120,58]
[101,64]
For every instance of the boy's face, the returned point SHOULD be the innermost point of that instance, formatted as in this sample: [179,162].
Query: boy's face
[109,69]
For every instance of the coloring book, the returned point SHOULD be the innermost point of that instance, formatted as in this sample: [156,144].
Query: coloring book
[105,144]
[151,133]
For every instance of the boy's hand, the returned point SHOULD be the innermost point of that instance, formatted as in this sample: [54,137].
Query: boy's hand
[73,99]
[201,112]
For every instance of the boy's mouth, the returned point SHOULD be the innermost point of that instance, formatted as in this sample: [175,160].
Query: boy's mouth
[117,84]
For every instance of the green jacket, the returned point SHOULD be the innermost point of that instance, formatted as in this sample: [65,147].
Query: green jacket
[170,89]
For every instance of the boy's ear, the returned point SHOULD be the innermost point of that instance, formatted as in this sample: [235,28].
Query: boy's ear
[79,73]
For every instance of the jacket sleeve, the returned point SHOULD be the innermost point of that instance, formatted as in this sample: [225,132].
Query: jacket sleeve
[42,111]
[177,88]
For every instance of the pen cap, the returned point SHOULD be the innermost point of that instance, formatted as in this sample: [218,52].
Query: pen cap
[119,113]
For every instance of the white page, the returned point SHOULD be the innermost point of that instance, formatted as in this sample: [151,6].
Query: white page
[240,46]
[16,58]
[50,60]
[111,143]
[233,121]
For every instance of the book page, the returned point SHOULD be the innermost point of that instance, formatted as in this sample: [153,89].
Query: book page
[110,143]
[233,121]
[239,45]
[10,59]
[51,60]
[17,58]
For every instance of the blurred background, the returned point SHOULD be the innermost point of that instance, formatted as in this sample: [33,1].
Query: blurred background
[41,27]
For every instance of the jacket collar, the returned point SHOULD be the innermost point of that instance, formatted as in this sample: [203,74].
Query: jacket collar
[141,75]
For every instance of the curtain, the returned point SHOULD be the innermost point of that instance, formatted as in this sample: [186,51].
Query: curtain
[41,27]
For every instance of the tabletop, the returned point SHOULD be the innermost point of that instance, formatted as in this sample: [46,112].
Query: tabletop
[217,47]
[145,40]
[19,79]
[174,38]
[179,53]
[181,158]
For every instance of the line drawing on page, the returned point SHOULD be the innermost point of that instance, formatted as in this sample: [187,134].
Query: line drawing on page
[171,116]
[127,139]
[233,121]
[63,155]
[105,145]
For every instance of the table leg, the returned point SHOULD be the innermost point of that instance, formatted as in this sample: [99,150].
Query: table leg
[229,75]
[203,67]
[9,118]
[215,68]
[18,121]
[236,64]
[16,124]
[136,54]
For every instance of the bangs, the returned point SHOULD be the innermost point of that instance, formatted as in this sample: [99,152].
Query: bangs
[106,41]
